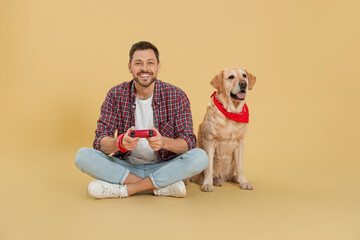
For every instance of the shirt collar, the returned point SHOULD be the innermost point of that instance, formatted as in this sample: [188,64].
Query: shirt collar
[132,91]
[156,94]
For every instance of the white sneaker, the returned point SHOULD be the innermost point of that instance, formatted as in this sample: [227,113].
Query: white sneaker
[177,189]
[101,189]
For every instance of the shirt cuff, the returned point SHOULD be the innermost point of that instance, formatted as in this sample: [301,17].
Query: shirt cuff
[97,141]
[191,141]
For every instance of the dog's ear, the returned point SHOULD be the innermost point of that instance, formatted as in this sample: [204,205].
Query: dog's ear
[252,79]
[217,81]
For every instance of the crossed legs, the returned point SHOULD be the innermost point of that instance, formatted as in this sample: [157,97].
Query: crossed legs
[157,175]
[137,184]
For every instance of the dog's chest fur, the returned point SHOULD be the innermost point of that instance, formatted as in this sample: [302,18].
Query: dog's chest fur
[226,136]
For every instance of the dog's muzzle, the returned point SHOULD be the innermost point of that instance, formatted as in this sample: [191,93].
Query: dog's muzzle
[240,96]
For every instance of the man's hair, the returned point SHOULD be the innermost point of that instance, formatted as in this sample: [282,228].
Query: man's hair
[143,45]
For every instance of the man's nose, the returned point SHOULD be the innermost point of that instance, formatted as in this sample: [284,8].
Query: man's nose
[143,67]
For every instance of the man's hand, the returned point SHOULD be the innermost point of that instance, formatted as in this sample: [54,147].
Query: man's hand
[128,142]
[157,142]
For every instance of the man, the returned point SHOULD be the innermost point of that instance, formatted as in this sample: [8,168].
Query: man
[157,164]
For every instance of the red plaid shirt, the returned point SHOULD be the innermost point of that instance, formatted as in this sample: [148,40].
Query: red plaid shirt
[172,115]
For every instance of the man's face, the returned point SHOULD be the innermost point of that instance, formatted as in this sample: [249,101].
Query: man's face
[144,67]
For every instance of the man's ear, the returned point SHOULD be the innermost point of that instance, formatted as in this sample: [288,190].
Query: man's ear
[218,80]
[252,79]
[129,66]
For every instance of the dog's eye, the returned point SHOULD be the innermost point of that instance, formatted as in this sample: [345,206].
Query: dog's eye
[231,77]
[244,75]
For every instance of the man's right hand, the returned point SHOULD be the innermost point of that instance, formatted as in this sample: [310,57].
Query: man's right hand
[128,142]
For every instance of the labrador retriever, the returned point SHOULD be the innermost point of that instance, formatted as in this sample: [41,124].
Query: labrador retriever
[223,130]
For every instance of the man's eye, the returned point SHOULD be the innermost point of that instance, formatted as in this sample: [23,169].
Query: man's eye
[137,63]
[151,63]
[231,77]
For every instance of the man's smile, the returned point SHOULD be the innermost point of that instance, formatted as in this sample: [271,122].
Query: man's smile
[145,79]
[145,75]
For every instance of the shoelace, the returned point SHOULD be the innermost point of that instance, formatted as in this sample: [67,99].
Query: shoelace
[113,190]
[166,191]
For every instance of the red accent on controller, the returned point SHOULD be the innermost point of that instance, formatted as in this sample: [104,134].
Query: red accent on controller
[142,133]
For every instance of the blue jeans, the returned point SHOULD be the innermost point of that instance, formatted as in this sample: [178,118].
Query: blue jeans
[115,170]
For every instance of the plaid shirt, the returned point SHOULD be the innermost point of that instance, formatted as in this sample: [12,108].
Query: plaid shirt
[172,115]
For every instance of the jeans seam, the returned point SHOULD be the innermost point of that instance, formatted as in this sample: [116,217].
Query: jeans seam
[125,176]
[153,181]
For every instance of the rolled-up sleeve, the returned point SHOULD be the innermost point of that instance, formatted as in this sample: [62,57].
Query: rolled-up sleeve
[107,124]
[184,124]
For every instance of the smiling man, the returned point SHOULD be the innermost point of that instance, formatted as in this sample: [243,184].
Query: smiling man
[156,163]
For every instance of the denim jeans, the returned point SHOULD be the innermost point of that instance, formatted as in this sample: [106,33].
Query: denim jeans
[115,170]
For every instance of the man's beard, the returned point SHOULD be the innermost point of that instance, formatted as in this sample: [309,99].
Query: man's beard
[144,85]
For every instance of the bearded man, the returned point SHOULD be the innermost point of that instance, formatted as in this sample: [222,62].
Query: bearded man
[124,165]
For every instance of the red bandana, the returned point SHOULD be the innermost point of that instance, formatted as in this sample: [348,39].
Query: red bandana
[243,116]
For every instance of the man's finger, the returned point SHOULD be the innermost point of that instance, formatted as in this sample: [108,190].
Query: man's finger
[131,140]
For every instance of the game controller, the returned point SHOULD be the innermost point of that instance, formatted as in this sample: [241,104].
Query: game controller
[142,133]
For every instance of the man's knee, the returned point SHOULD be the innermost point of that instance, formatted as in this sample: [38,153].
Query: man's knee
[82,157]
[200,158]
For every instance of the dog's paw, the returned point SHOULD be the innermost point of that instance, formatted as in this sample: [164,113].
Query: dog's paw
[247,186]
[207,188]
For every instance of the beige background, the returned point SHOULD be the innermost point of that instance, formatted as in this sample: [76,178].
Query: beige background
[59,59]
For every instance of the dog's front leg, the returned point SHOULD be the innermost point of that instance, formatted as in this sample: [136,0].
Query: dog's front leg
[208,172]
[239,176]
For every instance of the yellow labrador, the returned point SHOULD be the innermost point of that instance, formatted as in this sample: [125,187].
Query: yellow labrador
[223,130]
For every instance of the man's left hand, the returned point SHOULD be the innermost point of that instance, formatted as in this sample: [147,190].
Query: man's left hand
[157,142]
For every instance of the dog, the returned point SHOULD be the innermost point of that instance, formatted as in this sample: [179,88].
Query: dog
[221,137]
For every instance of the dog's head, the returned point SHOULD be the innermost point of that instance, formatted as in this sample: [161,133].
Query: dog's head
[234,83]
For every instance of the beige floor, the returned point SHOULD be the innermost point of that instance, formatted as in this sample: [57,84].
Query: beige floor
[48,200]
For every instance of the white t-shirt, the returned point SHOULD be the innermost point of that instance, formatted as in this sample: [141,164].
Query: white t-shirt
[144,119]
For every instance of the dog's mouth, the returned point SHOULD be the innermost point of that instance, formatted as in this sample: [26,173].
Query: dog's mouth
[239,96]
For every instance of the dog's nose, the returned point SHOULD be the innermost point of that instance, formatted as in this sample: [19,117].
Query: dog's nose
[243,84]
